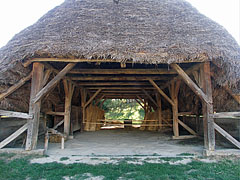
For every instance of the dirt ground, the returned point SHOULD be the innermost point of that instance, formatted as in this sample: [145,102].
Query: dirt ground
[123,142]
[105,145]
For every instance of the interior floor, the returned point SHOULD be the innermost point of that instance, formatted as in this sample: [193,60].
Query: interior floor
[126,142]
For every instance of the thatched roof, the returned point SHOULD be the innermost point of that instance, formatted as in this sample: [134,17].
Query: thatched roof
[146,31]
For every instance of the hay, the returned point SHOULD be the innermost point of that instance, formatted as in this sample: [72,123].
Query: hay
[93,116]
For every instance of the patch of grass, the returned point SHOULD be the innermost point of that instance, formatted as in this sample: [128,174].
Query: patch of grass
[19,169]
[64,158]
[185,154]
[7,155]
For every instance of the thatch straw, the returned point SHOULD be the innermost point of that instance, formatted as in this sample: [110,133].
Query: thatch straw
[145,31]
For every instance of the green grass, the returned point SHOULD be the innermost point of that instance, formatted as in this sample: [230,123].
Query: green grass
[64,158]
[20,168]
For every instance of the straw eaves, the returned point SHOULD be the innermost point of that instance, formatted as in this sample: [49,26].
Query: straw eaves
[145,31]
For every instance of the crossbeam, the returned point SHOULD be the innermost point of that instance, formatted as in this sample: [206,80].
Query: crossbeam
[53,82]
[122,71]
[91,99]
[161,92]
[15,114]
[226,135]
[15,86]
[191,84]
[13,136]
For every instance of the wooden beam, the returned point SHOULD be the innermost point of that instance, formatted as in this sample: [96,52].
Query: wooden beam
[159,102]
[121,88]
[114,78]
[226,115]
[184,137]
[69,89]
[235,96]
[53,82]
[83,102]
[188,71]
[150,97]
[122,71]
[227,136]
[58,124]
[139,103]
[191,84]
[161,92]
[55,113]
[100,99]
[34,108]
[207,108]
[113,84]
[15,114]
[91,99]
[15,86]
[46,76]
[187,127]
[28,62]
[174,89]
[13,136]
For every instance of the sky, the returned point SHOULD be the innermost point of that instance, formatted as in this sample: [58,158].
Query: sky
[16,15]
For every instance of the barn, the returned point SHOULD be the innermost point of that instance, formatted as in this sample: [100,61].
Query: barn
[165,55]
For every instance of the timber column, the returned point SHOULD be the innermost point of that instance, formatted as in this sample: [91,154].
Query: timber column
[34,108]
[207,108]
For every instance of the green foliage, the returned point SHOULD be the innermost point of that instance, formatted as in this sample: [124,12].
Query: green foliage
[118,109]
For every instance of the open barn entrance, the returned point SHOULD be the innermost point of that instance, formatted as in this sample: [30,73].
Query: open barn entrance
[70,98]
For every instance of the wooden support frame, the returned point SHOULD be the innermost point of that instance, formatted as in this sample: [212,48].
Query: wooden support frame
[159,102]
[91,99]
[13,136]
[53,82]
[226,115]
[140,103]
[191,84]
[150,97]
[34,108]
[226,135]
[15,114]
[15,87]
[190,130]
[207,108]
[174,90]
[83,101]
[69,89]
[161,92]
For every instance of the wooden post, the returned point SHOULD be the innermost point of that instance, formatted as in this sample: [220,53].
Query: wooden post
[208,121]
[69,89]
[34,108]
[159,110]
[83,101]
[174,95]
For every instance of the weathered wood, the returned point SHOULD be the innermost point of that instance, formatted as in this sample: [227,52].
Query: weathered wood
[161,92]
[174,89]
[207,108]
[15,86]
[139,103]
[34,108]
[160,119]
[121,88]
[188,71]
[91,99]
[83,101]
[13,136]
[58,124]
[69,89]
[55,113]
[235,96]
[187,127]
[122,71]
[46,76]
[184,113]
[227,136]
[15,114]
[150,97]
[28,62]
[113,84]
[191,84]
[53,82]
[184,137]
[226,115]
[114,78]
[99,99]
